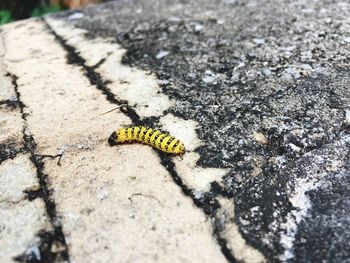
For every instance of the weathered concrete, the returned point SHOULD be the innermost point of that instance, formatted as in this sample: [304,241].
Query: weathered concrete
[257,90]
[106,198]
[20,228]
[11,123]
[20,219]
[17,175]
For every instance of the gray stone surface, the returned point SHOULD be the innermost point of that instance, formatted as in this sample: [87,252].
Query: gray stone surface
[257,90]
[239,67]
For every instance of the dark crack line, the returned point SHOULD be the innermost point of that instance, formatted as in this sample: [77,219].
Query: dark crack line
[30,146]
[98,64]
[9,151]
[52,157]
[94,77]
[9,103]
[210,205]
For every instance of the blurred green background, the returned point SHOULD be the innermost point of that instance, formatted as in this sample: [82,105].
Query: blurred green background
[11,10]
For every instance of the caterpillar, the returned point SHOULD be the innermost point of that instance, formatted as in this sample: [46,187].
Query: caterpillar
[155,138]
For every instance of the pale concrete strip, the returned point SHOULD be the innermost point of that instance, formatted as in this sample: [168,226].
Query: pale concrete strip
[135,86]
[10,119]
[10,126]
[16,176]
[241,250]
[121,205]
[19,225]
[63,108]
[6,90]
[116,204]
[20,220]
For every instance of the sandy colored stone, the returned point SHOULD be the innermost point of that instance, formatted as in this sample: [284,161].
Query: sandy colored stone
[11,126]
[58,114]
[19,225]
[10,119]
[6,90]
[117,204]
[16,176]
[138,87]
[196,177]
[260,138]
[120,204]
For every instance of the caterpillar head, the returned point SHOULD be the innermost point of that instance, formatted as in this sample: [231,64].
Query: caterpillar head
[112,140]
[117,137]
[180,149]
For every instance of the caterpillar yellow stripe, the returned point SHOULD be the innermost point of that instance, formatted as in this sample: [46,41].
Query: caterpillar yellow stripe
[155,138]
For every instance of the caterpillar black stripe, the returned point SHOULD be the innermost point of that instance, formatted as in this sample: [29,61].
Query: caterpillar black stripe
[155,138]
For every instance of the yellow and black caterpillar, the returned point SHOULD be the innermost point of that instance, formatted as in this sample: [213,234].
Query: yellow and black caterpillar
[157,139]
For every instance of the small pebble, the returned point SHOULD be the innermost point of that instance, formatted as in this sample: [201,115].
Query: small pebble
[77,15]
[259,41]
[260,138]
[162,54]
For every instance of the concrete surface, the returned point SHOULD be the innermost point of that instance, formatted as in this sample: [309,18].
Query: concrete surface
[257,90]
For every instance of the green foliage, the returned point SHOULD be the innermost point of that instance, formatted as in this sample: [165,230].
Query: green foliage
[5,16]
[46,9]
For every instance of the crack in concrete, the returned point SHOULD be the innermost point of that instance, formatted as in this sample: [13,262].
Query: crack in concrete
[98,64]
[208,204]
[33,194]
[9,103]
[52,157]
[303,131]
[95,78]
[57,235]
[12,202]
[43,250]
[9,151]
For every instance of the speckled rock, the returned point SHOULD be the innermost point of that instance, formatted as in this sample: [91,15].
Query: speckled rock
[259,90]
[239,68]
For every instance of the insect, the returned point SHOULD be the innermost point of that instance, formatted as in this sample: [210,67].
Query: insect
[157,139]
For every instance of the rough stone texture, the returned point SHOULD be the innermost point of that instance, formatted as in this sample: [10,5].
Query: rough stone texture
[257,90]
[29,228]
[11,124]
[22,221]
[19,226]
[116,206]
[112,205]
[16,176]
[24,224]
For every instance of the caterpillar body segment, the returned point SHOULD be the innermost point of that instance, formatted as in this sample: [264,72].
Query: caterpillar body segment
[155,138]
